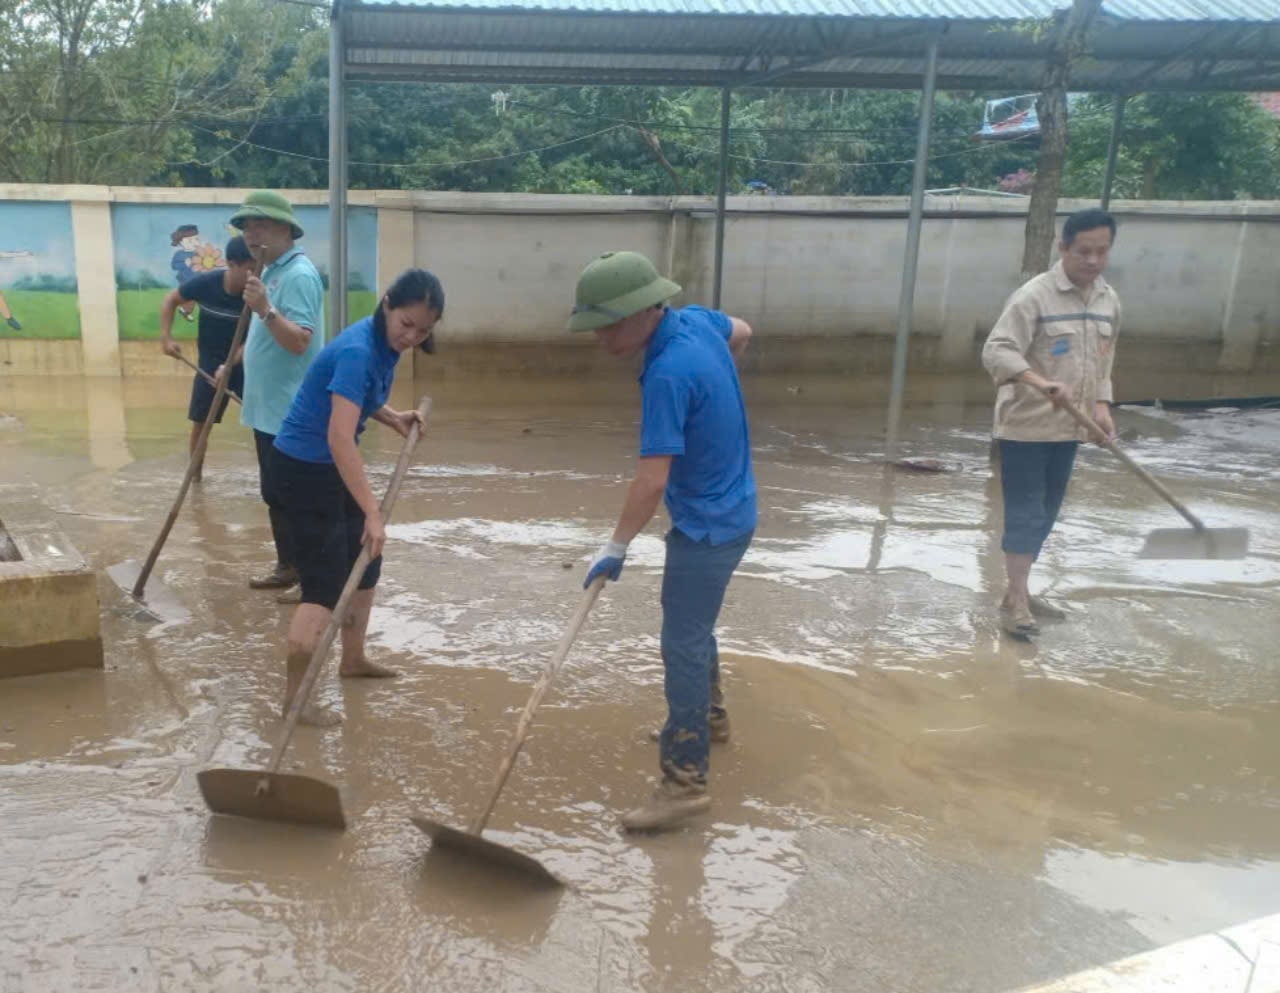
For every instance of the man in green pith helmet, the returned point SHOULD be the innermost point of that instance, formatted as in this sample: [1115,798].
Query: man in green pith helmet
[695,448]
[285,335]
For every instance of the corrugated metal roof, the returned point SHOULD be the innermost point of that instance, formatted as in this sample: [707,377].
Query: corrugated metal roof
[1255,11]
[1140,45]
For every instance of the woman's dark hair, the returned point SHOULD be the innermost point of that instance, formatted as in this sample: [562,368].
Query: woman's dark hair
[412,286]
[1087,220]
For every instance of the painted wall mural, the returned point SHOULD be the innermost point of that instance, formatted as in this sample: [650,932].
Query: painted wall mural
[160,246]
[37,271]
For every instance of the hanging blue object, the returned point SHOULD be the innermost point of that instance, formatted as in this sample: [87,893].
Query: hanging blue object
[1009,117]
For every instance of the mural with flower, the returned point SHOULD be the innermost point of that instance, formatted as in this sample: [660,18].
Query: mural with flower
[206,259]
[159,246]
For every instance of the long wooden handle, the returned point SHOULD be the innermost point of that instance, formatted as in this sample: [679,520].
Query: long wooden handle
[539,691]
[197,456]
[205,376]
[314,667]
[1089,424]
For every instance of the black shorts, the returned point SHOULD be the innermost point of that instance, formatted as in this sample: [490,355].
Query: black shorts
[202,392]
[325,525]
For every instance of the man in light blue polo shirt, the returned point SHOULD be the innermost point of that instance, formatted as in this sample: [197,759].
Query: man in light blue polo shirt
[695,448]
[286,334]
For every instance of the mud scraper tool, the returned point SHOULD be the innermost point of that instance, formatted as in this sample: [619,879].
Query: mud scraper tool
[272,795]
[1195,542]
[128,575]
[471,842]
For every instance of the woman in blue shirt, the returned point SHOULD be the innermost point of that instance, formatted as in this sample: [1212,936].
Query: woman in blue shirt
[323,487]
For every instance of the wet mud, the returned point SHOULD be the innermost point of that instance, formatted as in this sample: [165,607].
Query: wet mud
[910,801]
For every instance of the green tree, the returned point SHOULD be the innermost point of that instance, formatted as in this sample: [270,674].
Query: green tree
[115,91]
[1178,146]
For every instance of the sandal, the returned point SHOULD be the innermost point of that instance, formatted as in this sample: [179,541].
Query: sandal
[1018,622]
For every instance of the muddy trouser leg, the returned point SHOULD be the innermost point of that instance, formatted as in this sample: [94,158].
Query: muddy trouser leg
[275,510]
[717,709]
[694,581]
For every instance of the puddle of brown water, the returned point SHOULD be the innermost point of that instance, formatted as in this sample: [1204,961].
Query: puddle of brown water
[909,803]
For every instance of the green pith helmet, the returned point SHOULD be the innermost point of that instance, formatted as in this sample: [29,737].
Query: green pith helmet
[617,285]
[268,204]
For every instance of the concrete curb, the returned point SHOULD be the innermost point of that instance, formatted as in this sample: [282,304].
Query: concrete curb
[1241,959]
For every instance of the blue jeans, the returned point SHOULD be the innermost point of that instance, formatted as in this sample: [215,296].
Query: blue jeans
[694,581]
[1033,479]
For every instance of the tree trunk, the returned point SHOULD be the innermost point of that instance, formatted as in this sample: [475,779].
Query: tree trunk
[1067,46]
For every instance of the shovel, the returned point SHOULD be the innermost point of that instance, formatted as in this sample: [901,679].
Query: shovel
[470,842]
[1198,542]
[272,795]
[127,575]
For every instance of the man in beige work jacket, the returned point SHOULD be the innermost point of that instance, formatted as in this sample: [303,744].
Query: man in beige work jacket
[1054,342]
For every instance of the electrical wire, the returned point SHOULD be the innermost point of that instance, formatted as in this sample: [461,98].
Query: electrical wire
[408,165]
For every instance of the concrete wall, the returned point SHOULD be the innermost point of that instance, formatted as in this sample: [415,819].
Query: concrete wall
[819,277]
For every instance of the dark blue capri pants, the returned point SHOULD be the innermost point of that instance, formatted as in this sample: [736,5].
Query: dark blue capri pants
[1033,479]
[325,524]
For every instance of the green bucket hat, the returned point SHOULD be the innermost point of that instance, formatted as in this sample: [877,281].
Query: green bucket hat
[268,204]
[617,285]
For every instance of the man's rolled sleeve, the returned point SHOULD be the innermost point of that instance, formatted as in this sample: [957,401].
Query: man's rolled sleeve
[302,301]
[1004,356]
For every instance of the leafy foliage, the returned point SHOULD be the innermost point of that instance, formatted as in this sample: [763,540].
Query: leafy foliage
[235,93]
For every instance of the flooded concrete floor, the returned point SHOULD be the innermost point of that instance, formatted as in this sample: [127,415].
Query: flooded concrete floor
[910,802]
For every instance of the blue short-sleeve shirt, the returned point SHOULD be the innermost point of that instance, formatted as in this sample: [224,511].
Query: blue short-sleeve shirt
[358,365]
[692,410]
[272,374]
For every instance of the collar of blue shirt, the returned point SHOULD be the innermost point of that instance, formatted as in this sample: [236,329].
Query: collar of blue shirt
[661,337]
[284,259]
[382,349]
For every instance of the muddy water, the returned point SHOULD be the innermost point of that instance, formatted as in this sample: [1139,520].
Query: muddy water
[910,802]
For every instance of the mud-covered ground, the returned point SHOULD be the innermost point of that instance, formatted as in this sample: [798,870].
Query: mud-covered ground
[910,801]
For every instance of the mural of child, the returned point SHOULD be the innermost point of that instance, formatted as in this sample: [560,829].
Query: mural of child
[7,314]
[186,239]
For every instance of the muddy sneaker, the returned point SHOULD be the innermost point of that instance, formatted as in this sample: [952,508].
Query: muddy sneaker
[670,805]
[1018,622]
[1046,610]
[281,579]
[289,596]
[719,724]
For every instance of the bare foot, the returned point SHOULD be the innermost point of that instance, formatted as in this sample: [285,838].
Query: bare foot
[317,716]
[364,669]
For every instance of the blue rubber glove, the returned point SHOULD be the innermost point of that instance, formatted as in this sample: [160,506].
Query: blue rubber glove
[608,562]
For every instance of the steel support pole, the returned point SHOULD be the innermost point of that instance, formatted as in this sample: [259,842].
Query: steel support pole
[722,191]
[1113,149]
[337,175]
[911,255]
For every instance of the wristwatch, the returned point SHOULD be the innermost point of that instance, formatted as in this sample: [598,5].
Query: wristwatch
[270,315]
